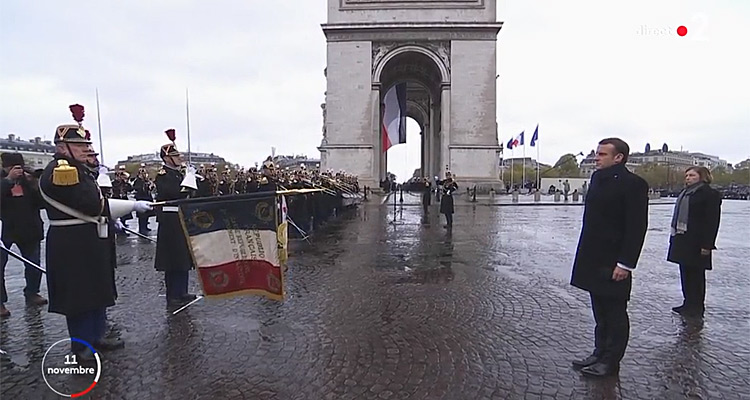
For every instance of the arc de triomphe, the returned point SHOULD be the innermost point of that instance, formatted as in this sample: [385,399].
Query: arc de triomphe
[445,51]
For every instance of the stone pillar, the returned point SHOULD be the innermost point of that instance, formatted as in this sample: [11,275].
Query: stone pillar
[537,196]
[445,129]
[426,151]
[514,196]
[557,196]
[378,157]
[435,143]
[575,197]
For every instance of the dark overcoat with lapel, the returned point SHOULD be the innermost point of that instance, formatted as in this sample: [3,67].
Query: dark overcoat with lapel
[22,222]
[427,194]
[702,228]
[615,220]
[448,187]
[172,251]
[80,265]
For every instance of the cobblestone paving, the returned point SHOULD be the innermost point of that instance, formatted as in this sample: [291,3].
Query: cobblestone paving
[398,308]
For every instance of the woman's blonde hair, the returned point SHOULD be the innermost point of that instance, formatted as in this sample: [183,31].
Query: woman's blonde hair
[703,172]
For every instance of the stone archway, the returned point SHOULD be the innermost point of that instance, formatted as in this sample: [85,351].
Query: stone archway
[425,75]
[447,57]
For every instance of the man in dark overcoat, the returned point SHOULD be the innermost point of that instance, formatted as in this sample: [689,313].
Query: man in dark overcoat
[80,245]
[448,186]
[426,195]
[20,204]
[615,220]
[172,251]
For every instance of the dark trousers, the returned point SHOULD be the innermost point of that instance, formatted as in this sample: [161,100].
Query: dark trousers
[612,328]
[177,283]
[89,326]
[693,286]
[449,219]
[143,223]
[32,252]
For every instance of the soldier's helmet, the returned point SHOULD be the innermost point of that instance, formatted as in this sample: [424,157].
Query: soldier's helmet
[269,165]
[73,133]
[169,149]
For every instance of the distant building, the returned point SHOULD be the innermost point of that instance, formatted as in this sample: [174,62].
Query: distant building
[154,160]
[743,164]
[295,162]
[677,159]
[36,152]
[530,162]
[709,161]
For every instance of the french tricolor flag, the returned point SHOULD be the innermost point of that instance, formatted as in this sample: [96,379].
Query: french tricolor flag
[235,241]
[394,116]
[516,141]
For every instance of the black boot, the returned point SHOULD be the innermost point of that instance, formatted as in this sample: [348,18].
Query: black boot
[585,362]
[109,344]
[601,369]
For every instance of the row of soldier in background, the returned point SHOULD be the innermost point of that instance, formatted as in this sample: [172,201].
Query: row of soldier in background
[307,211]
[210,182]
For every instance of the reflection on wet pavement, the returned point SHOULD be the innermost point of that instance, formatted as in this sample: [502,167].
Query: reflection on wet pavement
[392,305]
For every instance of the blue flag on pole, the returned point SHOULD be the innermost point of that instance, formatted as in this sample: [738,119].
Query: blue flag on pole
[535,136]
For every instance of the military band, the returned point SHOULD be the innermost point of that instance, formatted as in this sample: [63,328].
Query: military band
[85,208]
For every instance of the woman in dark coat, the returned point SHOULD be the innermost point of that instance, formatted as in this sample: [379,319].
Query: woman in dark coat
[448,187]
[695,224]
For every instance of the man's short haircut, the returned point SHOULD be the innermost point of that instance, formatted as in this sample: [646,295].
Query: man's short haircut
[620,147]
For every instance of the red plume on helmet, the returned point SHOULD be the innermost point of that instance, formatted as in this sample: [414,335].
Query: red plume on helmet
[77,111]
[171,134]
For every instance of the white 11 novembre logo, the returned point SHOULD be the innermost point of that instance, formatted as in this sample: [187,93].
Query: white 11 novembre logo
[67,375]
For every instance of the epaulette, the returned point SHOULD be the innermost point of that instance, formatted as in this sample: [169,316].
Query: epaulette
[162,171]
[64,174]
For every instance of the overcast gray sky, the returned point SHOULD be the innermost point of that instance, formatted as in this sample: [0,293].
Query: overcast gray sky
[582,69]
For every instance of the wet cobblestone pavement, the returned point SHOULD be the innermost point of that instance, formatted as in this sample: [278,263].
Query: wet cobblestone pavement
[384,308]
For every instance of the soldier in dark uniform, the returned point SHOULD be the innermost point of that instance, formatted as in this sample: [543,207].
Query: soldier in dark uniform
[448,187]
[426,195]
[143,188]
[172,252]
[225,183]
[240,182]
[204,184]
[80,257]
[120,189]
[267,182]
[252,185]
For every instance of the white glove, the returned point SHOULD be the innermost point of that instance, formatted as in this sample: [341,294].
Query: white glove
[119,227]
[142,206]
[191,170]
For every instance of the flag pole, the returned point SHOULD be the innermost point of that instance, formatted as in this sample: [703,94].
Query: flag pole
[523,173]
[187,117]
[538,177]
[512,159]
[99,122]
